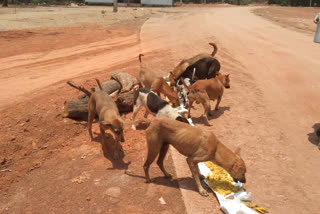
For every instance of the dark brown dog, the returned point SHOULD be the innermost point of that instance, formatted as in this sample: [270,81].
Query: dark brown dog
[109,118]
[203,91]
[184,64]
[195,143]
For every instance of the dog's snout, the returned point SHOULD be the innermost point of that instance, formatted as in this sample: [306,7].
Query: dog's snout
[242,180]
[122,139]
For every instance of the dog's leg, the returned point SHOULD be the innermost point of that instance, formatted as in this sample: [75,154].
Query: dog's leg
[146,113]
[91,114]
[195,172]
[162,155]
[218,102]
[153,150]
[205,101]
[136,108]
[191,100]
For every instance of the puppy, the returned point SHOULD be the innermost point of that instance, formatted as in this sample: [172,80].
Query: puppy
[145,77]
[203,91]
[155,105]
[204,68]
[184,64]
[195,143]
[109,118]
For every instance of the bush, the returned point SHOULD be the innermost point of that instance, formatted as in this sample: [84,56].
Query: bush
[241,2]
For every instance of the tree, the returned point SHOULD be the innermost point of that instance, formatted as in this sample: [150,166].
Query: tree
[5,3]
[115,6]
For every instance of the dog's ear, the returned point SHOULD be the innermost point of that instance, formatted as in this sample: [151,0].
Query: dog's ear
[237,152]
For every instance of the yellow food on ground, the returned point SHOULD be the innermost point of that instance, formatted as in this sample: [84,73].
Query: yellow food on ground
[255,207]
[220,181]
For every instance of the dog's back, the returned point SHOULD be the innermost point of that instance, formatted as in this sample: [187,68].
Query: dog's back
[214,86]
[204,68]
[154,104]
[182,66]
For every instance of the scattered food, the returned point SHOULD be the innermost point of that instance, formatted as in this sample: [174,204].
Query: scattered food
[255,207]
[82,178]
[162,201]
[5,170]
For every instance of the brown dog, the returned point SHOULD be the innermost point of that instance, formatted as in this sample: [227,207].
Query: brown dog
[195,143]
[109,118]
[145,77]
[150,80]
[203,91]
[184,64]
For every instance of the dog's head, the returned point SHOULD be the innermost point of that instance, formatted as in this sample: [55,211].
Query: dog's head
[224,79]
[238,169]
[116,127]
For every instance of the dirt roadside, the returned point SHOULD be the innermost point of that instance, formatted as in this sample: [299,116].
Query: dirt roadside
[296,18]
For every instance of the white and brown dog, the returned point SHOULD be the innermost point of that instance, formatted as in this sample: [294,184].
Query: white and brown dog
[154,105]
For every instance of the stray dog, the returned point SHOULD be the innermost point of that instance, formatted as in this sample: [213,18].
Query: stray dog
[109,118]
[184,64]
[203,91]
[153,104]
[195,143]
[204,68]
[159,85]
[145,77]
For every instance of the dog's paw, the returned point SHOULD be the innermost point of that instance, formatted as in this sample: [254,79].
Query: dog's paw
[204,193]
[149,181]
[168,175]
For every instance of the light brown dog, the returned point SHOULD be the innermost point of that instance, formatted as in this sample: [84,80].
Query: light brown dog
[203,91]
[150,80]
[182,66]
[195,143]
[145,77]
[109,118]
[160,86]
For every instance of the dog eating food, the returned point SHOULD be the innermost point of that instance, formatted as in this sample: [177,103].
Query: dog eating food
[197,144]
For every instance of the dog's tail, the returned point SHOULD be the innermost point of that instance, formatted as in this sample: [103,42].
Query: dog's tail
[184,83]
[140,55]
[99,84]
[215,48]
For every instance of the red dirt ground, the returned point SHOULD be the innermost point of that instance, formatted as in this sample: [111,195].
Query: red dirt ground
[270,111]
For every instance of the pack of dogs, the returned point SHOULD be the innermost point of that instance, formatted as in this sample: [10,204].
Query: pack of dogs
[196,79]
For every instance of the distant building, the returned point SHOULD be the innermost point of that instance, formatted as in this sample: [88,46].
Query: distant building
[133,2]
